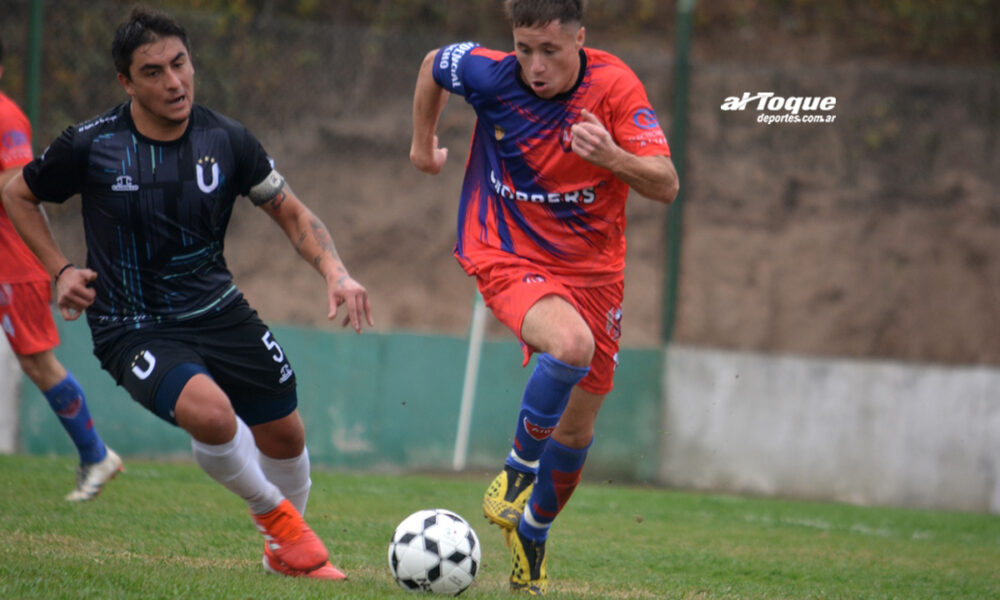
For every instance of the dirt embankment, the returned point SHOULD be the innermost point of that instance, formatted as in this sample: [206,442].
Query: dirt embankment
[877,235]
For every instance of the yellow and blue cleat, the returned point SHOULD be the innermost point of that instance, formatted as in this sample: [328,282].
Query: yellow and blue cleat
[527,574]
[506,497]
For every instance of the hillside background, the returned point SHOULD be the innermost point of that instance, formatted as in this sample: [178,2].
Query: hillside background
[877,235]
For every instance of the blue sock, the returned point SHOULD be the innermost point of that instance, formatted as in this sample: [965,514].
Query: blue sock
[68,402]
[558,475]
[544,400]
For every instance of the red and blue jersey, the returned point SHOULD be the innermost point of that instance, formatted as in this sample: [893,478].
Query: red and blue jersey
[17,263]
[526,194]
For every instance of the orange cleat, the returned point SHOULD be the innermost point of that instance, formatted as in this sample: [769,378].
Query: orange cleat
[290,540]
[272,564]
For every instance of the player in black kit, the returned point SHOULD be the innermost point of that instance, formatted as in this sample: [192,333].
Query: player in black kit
[158,177]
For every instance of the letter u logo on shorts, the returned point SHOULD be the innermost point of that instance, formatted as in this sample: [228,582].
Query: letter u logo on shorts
[199,168]
[149,359]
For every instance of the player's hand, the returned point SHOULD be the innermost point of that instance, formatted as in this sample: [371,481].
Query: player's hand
[345,291]
[429,162]
[592,142]
[74,293]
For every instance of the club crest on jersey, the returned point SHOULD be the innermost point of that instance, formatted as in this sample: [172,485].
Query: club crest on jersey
[14,139]
[566,138]
[498,132]
[203,163]
[537,431]
[533,278]
[123,183]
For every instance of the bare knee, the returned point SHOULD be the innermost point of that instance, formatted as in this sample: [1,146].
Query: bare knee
[573,346]
[574,431]
[574,438]
[283,438]
[204,411]
[209,424]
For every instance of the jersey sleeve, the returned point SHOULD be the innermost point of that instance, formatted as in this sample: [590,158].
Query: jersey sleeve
[636,127]
[456,70]
[56,174]
[15,140]
[255,164]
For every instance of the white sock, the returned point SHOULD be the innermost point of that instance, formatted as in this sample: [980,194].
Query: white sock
[291,475]
[234,465]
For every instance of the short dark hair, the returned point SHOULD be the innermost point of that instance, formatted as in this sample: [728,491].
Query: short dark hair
[142,27]
[1,51]
[531,13]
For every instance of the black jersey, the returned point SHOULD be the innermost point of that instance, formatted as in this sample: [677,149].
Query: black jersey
[154,213]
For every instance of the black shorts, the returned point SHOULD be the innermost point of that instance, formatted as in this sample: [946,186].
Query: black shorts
[234,347]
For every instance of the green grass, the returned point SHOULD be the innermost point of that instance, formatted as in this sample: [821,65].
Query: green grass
[164,530]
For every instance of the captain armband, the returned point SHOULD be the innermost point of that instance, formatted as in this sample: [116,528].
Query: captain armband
[267,189]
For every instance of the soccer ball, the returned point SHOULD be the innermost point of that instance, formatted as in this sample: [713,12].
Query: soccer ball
[434,551]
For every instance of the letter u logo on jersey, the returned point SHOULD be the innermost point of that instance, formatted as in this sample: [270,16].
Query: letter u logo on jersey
[199,168]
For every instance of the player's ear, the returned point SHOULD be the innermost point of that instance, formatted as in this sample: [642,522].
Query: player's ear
[126,83]
[580,37]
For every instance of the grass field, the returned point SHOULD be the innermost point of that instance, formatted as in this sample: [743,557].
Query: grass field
[164,530]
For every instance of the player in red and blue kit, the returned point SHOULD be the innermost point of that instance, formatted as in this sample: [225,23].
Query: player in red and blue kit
[26,319]
[562,133]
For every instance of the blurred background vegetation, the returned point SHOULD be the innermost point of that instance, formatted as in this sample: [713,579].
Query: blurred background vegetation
[877,235]
[946,31]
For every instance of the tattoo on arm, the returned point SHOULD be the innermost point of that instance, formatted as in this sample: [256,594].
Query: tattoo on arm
[325,242]
[275,203]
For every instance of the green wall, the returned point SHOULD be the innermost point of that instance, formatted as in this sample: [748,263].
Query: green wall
[376,401]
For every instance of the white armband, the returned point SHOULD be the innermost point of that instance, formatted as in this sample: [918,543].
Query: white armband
[267,189]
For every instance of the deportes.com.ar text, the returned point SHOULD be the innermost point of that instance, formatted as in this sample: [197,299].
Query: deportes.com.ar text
[789,118]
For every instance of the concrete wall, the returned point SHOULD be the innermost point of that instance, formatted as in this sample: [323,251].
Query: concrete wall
[10,398]
[374,401]
[863,432]
[860,432]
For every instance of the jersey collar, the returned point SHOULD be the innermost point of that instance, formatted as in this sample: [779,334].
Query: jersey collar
[127,115]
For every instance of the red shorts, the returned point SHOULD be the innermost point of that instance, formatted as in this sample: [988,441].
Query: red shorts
[26,316]
[510,289]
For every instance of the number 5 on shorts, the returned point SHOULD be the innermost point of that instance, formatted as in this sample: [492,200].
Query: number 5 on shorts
[272,344]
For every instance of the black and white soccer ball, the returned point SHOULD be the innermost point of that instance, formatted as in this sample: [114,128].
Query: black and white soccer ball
[435,551]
